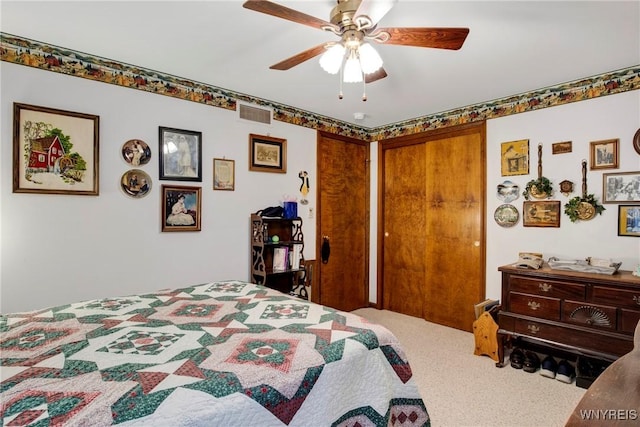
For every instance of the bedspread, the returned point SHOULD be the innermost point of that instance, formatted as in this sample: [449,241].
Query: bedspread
[217,354]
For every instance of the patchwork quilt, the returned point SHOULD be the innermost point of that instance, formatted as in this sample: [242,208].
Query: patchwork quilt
[218,354]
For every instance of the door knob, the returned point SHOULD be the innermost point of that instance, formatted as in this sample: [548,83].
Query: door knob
[325,251]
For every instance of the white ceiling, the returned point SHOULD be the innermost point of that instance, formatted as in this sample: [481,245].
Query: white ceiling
[513,47]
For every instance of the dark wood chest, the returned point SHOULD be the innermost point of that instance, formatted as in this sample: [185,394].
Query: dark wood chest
[583,313]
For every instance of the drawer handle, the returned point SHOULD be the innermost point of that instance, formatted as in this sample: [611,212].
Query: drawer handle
[545,287]
[533,305]
[533,329]
[636,298]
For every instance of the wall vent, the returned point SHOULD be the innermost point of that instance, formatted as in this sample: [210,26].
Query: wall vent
[255,114]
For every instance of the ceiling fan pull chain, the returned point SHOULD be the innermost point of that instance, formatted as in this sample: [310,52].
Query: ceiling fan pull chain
[364,89]
[340,95]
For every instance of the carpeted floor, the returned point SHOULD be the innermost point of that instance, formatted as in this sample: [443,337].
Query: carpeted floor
[460,389]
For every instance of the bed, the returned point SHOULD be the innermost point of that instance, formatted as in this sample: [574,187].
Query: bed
[226,353]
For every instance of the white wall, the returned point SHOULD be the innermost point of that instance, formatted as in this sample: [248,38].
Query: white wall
[55,249]
[609,117]
[59,248]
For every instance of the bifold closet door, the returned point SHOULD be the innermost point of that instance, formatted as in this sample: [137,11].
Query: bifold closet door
[433,255]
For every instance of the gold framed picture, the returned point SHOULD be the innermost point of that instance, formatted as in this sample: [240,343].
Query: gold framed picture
[514,157]
[224,174]
[181,208]
[267,154]
[604,154]
[544,213]
[629,220]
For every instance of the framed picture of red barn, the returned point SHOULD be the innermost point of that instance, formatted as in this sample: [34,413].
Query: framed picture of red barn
[54,151]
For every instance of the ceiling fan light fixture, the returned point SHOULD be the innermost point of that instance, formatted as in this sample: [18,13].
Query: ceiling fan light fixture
[331,60]
[370,59]
[352,69]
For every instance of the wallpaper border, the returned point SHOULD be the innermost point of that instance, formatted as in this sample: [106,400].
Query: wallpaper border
[18,50]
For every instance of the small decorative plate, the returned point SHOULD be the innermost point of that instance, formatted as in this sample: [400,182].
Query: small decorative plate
[636,141]
[136,152]
[508,191]
[135,183]
[506,215]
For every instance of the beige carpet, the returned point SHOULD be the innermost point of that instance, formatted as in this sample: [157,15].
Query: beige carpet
[460,389]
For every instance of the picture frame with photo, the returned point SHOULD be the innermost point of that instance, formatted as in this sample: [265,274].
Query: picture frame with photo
[514,157]
[224,174]
[629,220]
[181,208]
[180,154]
[55,151]
[622,187]
[267,154]
[544,213]
[604,154]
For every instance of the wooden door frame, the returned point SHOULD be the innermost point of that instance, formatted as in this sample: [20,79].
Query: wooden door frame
[320,136]
[419,138]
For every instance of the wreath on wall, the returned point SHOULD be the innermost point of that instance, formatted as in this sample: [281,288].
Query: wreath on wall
[583,207]
[539,188]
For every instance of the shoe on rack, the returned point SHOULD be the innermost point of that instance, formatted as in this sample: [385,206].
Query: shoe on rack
[549,367]
[566,372]
[516,358]
[531,362]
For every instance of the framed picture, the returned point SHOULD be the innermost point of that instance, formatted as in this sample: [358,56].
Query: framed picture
[623,187]
[604,154]
[629,220]
[54,151]
[561,147]
[180,155]
[181,208]
[224,173]
[544,213]
[514,157]
[267,154]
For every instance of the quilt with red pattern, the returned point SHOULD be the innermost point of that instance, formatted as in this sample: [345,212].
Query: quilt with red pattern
[226,353]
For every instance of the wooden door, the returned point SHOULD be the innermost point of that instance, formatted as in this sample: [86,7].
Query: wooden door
[432,225]
[343,218]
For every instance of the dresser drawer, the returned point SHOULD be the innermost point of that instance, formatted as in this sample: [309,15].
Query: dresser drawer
[588,340]
[597,316]
[618,297]
[628,320]
[547,288]
[534,305]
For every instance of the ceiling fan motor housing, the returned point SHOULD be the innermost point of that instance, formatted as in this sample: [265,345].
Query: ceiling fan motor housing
[343,13]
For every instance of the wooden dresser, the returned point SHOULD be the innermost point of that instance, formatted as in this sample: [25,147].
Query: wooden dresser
[581,313]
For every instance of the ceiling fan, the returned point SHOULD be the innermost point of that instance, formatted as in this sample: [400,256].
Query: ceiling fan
[355,22]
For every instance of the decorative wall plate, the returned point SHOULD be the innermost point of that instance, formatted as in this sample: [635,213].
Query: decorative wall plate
[508,191]
[136,152]
[636,141]
[506,215]
[135,183]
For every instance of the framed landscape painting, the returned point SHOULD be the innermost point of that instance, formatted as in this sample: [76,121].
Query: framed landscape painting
[54,151]
[267,154]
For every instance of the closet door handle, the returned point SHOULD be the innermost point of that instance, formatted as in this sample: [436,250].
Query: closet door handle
[325,250]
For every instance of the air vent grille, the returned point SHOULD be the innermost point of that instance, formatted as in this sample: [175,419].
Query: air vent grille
[255,114]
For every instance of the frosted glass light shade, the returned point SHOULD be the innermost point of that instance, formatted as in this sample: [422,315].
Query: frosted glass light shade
[352,70]
[369,59]
[331,60]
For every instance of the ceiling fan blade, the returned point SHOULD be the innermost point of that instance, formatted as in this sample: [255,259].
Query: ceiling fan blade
[438,38]
[375,76]
[299,58]
[283,12]
[372,11]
